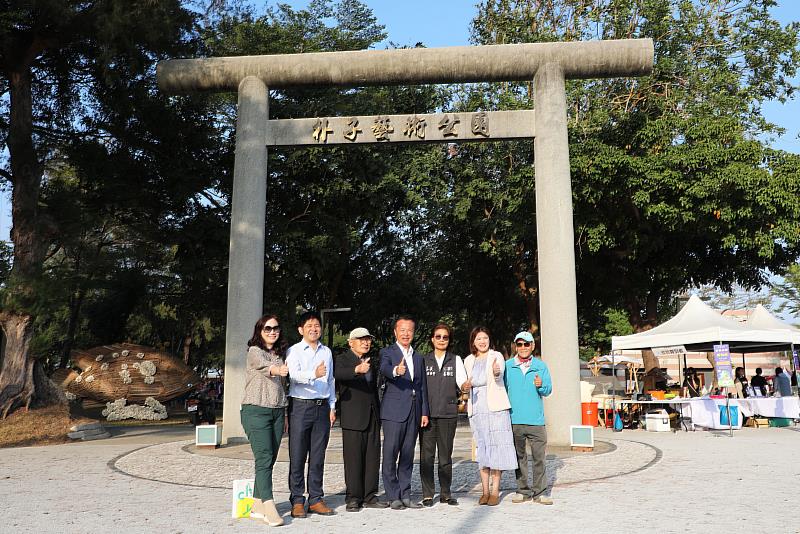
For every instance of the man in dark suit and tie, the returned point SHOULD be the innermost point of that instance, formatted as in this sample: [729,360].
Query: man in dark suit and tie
[357,376]
[403,411]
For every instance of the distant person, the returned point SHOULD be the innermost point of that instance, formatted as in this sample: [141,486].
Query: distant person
[782,383]
[740,383]
[263,410]
[489,414]
[312,412]
[527,381]
[758,381]
[691,383]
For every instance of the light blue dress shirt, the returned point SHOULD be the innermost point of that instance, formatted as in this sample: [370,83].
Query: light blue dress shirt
[303,361]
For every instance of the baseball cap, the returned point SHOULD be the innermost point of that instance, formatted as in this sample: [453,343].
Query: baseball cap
[524,336]
[358,333]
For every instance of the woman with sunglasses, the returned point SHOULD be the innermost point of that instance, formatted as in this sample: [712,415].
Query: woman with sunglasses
[445,374]
[263,410]
[488,408]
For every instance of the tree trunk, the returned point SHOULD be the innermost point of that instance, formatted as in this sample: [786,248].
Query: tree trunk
[642,323]
[529,293]
[187,348]
[17,385]
[650,360]
[75,303]
[16,373]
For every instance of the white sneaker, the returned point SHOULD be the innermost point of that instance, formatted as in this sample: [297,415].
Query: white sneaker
[543,499]
[271,515]
[257,511]
[520,497]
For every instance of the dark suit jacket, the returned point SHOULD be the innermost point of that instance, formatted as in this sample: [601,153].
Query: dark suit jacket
[357,396]
[397,398]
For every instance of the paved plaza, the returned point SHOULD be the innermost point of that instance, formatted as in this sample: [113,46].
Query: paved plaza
[151,479]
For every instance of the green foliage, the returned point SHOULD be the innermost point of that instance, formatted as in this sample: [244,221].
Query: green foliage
[5,262]
[598,341]
[673,182]
[787,290]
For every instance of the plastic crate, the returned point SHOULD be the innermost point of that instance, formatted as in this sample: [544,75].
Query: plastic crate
[780,422]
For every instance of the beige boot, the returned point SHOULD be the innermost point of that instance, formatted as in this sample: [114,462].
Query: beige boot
[271,514]
[257,511]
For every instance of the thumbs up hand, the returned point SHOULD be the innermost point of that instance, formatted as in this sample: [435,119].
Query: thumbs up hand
[321,370]
[537,380]
[496,367]
[363,367]
[400,370]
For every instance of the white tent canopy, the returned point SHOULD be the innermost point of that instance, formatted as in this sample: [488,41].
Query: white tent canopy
[763,319]
[699,327]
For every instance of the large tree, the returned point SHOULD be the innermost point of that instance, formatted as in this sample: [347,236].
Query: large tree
[57,58]
[674,181]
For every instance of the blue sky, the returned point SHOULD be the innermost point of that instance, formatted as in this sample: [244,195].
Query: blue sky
[438,23]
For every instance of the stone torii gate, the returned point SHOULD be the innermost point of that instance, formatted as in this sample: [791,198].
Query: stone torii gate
[547,64]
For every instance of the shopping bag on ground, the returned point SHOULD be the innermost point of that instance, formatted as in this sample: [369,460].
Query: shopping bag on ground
[242,498]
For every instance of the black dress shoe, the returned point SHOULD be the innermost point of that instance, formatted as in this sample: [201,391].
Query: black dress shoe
[452,501]
[408,503]
[353,507]
[376,504]
[397,504]
[428,502]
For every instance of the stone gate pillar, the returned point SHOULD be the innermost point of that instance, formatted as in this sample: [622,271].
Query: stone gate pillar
[246,259]
[556,253]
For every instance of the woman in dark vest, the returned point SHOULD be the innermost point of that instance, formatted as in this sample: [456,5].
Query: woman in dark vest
[445,375]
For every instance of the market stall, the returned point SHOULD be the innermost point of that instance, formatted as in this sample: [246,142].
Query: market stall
[698,328]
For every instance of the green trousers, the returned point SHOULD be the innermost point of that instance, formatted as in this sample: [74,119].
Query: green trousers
[264,428]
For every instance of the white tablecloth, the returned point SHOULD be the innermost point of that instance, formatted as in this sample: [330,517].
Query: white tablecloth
[770,407]
[705,412]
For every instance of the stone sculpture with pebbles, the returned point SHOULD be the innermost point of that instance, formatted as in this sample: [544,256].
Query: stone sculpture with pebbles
[126,371]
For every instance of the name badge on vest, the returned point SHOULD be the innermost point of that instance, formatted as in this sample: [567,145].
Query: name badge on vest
[429,370]
[448,371]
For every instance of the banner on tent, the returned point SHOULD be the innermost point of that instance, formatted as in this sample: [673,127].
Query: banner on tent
[677,350]
[722,364]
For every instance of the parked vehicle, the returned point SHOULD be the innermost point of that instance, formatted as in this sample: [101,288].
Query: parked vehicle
[200,408]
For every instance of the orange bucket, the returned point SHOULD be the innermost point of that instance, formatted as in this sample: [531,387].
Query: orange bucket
[589,413]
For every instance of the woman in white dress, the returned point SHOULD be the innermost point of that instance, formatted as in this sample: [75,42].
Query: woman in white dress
[488,408]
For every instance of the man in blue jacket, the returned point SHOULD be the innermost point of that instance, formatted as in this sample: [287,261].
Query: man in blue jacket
[404,410]
[527,380]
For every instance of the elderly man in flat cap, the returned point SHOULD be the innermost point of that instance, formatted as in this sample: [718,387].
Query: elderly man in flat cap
[357,374]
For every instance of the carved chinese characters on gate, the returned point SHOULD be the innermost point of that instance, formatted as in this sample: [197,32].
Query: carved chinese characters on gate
[321,131]
[448,125]
[381,128]
[415,127]
[480,124]
[352,130]
[385,128]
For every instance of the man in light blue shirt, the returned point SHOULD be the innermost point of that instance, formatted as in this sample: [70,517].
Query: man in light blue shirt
[312,412]
[527,381]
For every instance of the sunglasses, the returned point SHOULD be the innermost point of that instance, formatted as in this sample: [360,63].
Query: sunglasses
[442,337]
[271,329]
[523,343]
